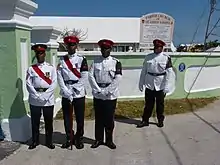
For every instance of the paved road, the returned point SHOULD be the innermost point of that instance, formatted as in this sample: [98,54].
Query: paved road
[7,148]
[188,139]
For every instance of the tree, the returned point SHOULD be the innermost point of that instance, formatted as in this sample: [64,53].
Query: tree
[73,32]
[212,44]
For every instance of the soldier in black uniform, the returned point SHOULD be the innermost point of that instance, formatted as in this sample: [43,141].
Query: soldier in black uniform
[104,76]
[155,74]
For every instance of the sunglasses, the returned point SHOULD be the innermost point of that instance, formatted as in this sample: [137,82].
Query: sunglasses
[105,48]
[72,44]
[39,52]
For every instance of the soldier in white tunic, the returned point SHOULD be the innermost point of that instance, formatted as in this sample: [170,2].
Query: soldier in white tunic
[72,74]
[104,76]
[155,74]
[41,82]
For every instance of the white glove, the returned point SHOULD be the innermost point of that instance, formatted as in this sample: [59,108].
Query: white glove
[104,92]
[41,99]
[44,96]
[141,88]
[38,97]
[69,93]
[70,98]
[166,90]
[99,94]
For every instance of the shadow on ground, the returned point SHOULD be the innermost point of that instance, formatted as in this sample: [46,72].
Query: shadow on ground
[59,138]
[127,120]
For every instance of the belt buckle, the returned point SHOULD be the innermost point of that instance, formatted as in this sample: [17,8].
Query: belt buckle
[69,82]
[41,90]
[154,74]
[102,85]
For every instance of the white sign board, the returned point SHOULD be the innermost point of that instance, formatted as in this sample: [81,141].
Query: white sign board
[156,26]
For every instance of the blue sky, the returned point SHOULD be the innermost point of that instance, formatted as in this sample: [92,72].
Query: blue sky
[187,13]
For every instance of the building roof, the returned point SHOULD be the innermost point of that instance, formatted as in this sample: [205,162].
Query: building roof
[118,29]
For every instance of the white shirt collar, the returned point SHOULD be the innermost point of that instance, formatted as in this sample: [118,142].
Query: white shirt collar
[41,63]
[71,55]
[107,58]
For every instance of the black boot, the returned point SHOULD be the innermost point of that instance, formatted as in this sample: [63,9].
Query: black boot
[49,142]
[109,140]
[111,145]
[160,124]
[79,143]
[33,145]
[160,121]
[96,144]
[68,142]
[50,145]
[143,124]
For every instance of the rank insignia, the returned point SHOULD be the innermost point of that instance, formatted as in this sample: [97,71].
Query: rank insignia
[47,74]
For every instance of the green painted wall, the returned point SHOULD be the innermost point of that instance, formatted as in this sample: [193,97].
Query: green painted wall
[53,52]
[21,105]
[8,70]
[11,92]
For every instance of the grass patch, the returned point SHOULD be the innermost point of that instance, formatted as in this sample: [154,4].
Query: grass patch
[134,108]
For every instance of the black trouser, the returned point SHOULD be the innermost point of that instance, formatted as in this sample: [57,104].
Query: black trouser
[79,109]
[35,122]
[104,118]
[150,96]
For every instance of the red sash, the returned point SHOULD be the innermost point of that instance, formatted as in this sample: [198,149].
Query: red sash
[41,74]
[70,66]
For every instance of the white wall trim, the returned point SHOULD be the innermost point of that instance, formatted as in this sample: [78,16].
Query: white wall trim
[25,8]
[55,32]
[54,45]
[46,34]
[15,24]
[16,13]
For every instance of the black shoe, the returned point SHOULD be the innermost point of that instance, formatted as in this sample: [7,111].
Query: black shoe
[66,144]
[50,146]
[160,124]
[96,144]
[111,145]
[143,124]
[1,140]
[33,145]
[79,144]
